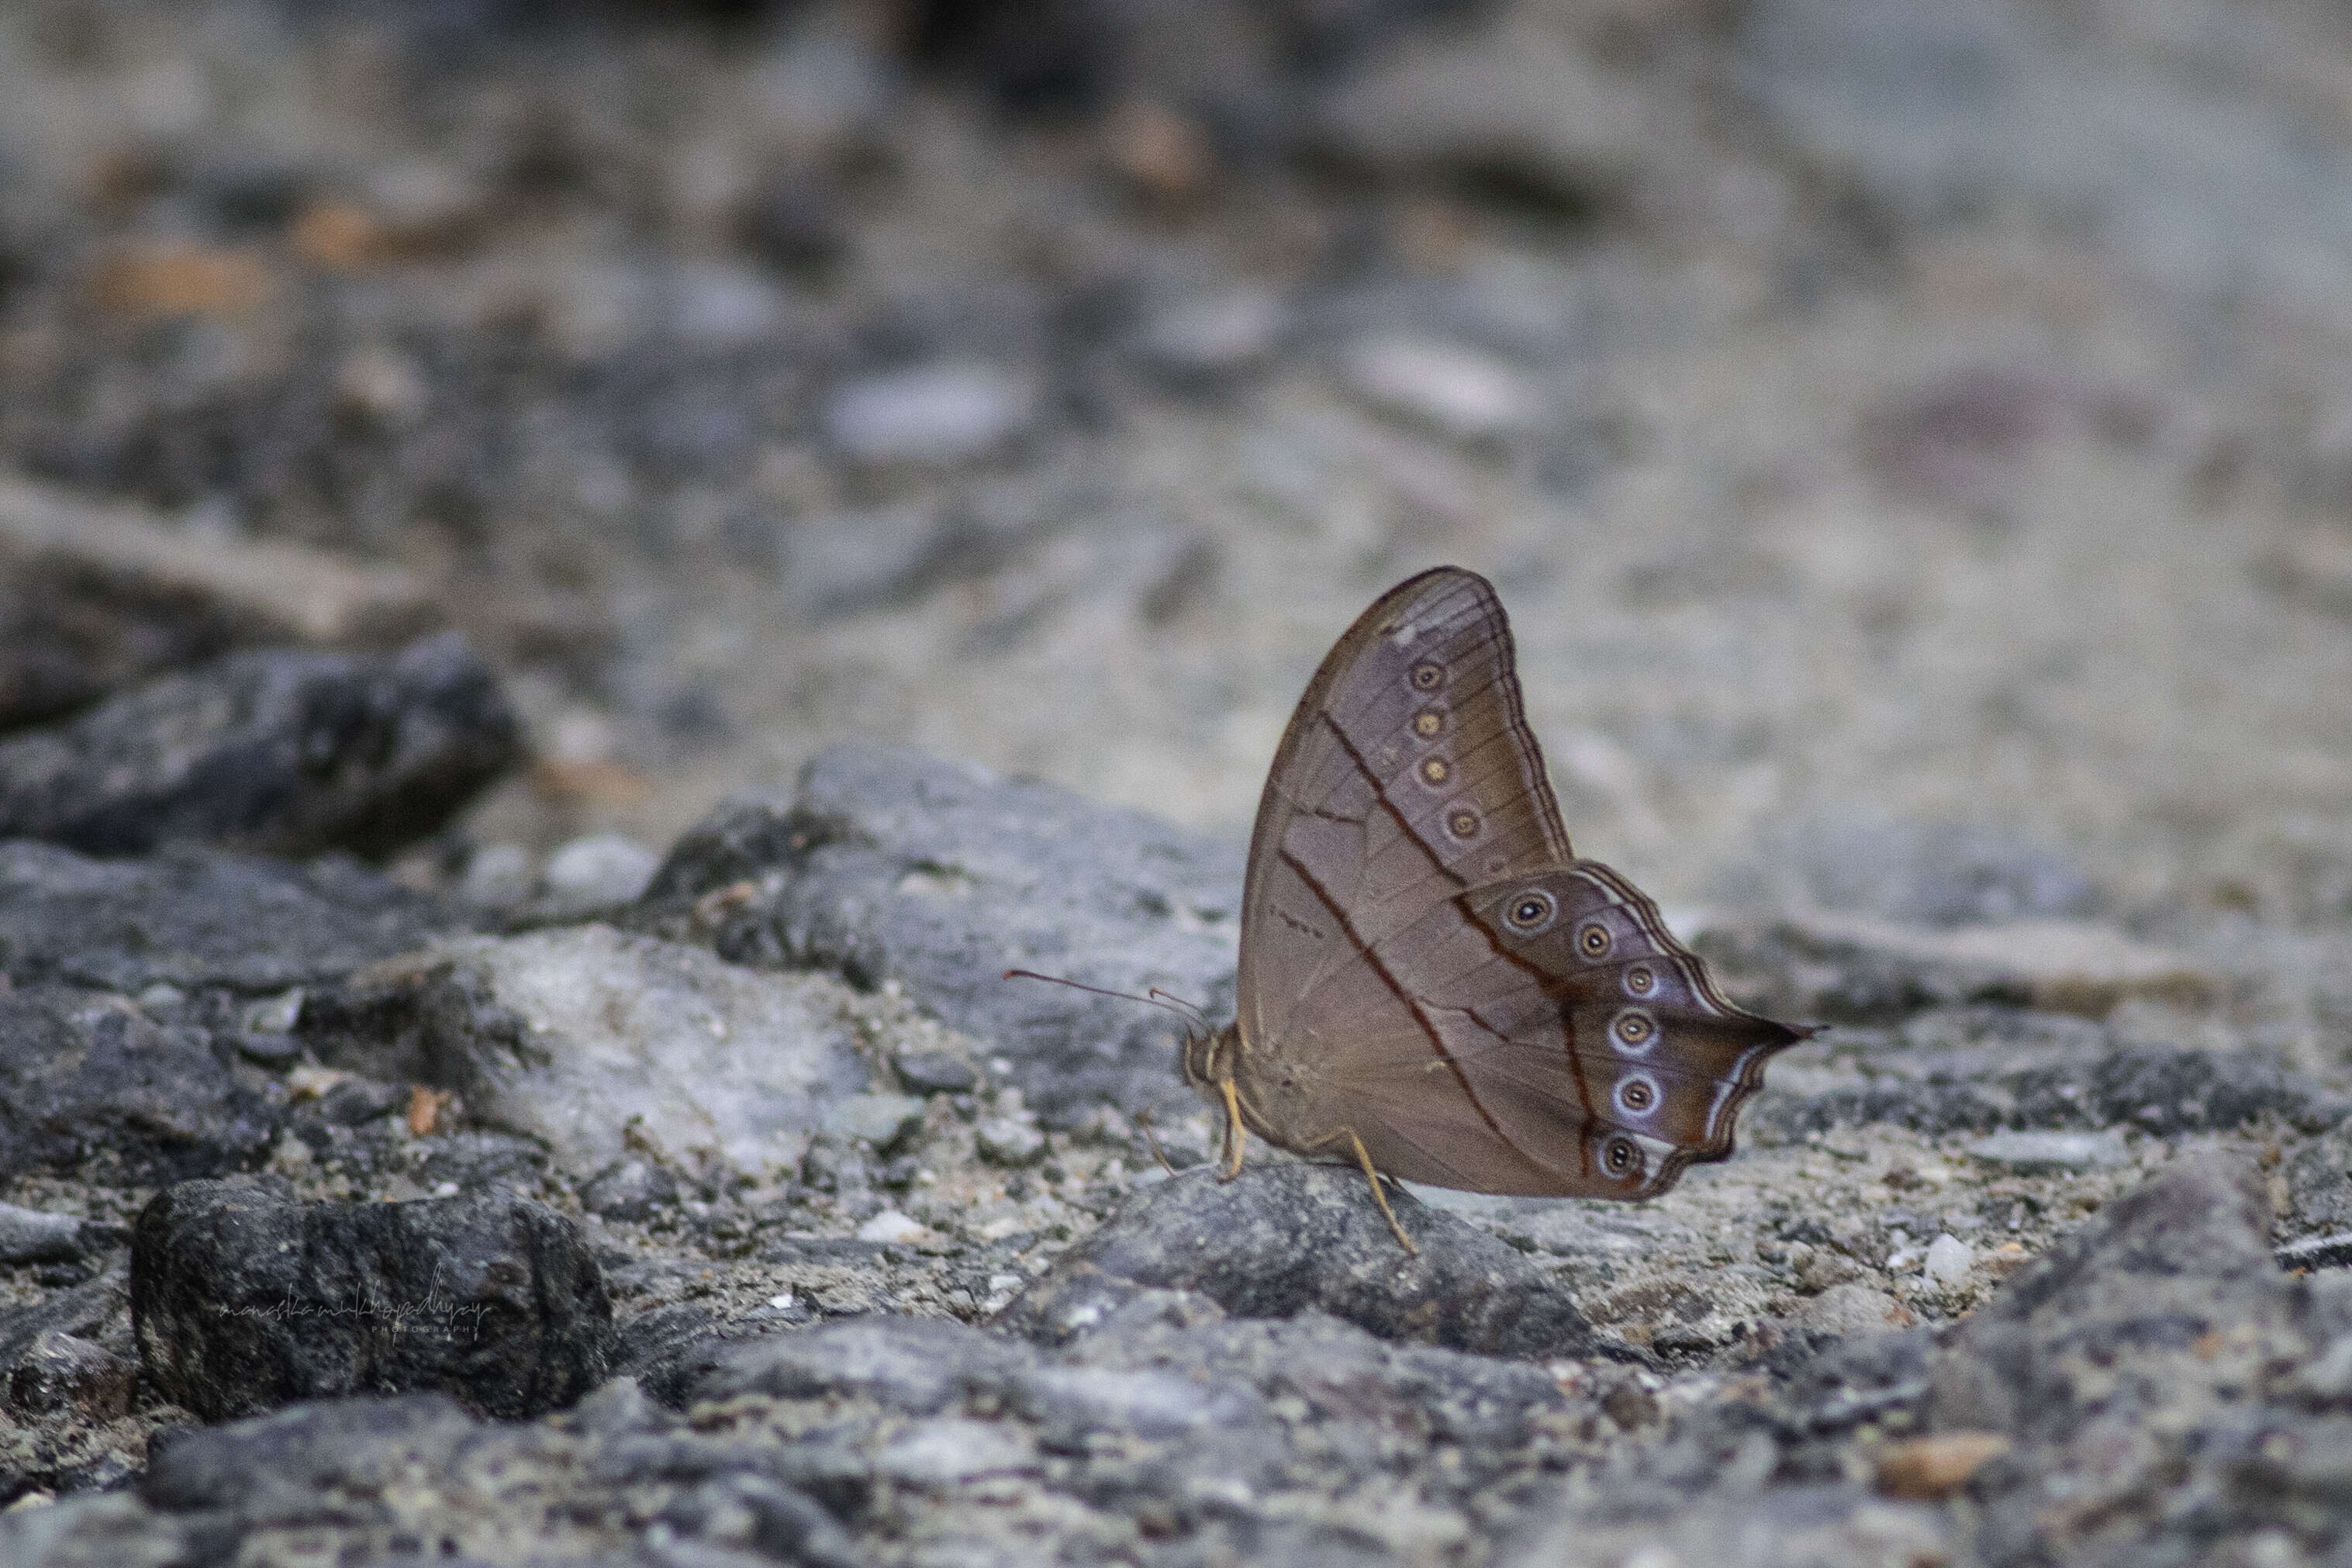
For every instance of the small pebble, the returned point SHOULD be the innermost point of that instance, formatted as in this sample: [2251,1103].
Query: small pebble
[598,871]
[2032,1151]
[496,875]
[1207,339]
[891,1225]
[1454,390]
[880,1121]
[1949,1259]
[1004,1141]
[936,1072]
[936,414]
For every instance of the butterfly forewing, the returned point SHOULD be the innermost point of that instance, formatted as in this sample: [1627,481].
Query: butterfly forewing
[1407,773]
[1424,965]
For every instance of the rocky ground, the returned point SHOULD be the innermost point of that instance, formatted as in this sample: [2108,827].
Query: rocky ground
[577,588]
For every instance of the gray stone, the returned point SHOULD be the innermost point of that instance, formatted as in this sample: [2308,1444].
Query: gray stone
[1949,1260]
[598,871]
[60,1370]
[880,1121]
[936,414]
[68,1355]
[2037,1151]
[892,866]
[2332,1250]
[281,1462]
[602,1043]
[1072,1402]
[2319,1185]
[1002,1140]
[1513,102]
[277,751]
[935,1072]
[1450,388]
[28,1236]
[631,1189]
[497,876]
[244,1298]
[1286,1236]
[194,919]
[949,1452]
[104,1532]
[88,1083]
[1209,339]
[919,1366]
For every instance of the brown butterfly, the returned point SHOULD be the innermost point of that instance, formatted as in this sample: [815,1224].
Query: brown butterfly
[1429,981]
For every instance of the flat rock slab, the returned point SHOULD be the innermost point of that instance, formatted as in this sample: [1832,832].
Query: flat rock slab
[198,918]
[244,1298]
[597,1041]
[917,1366]
[281,751]
[86,1078]
[895,865]
[2160,1089]
[1842,966]
[1286,1236]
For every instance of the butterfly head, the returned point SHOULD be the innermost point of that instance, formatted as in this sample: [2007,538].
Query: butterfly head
[1207,1056]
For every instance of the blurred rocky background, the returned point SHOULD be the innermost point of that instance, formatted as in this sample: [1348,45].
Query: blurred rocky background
[575,582]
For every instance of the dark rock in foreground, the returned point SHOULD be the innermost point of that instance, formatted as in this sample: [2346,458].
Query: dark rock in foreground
[2128,1364]
[244,1299]
[891,865]
[88,1078]
[198,917]
[1185,1437]
[282,751]
[1284,1238]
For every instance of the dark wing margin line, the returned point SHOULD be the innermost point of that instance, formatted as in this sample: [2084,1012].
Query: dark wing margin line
[1654,926]
[1412,1004]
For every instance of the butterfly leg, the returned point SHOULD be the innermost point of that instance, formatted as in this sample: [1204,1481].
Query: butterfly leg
[1143,1121]
[1236,1133]
[1380,1198]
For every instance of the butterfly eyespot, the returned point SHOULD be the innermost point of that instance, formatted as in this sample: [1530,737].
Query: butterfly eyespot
[1635,1030]
[1621,1158]
[1429,723]
[1639,981]
[1435,770]
[1427,677]
[1593,940]
[1530,912]
[1636,1095]
[1462,822]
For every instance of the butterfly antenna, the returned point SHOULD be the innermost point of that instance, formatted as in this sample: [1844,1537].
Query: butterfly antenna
[1157,998]
[1200,1017]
